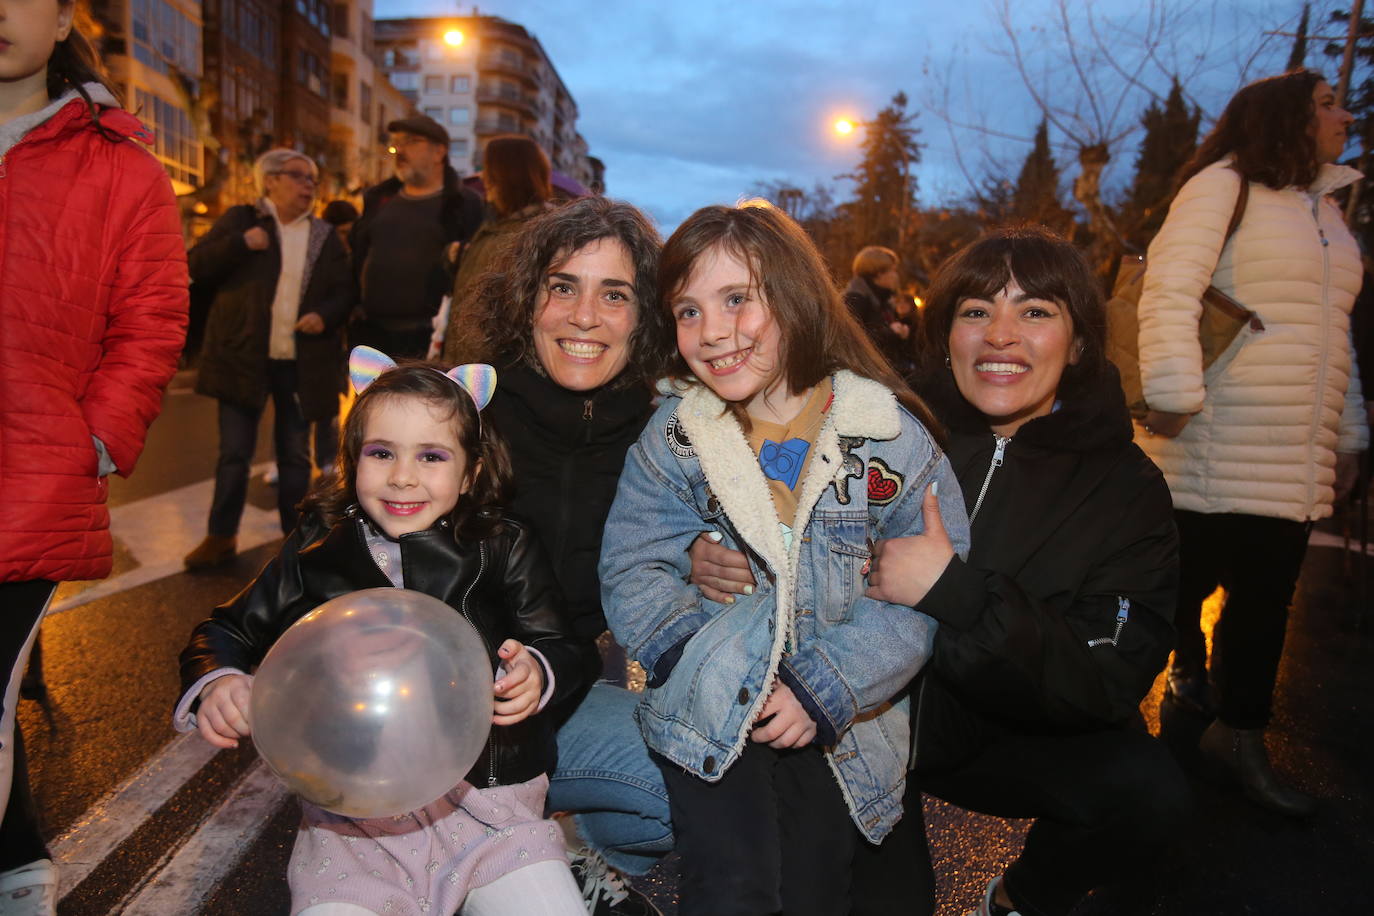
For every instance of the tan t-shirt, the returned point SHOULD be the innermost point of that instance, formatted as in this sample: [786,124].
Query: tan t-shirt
[784,452]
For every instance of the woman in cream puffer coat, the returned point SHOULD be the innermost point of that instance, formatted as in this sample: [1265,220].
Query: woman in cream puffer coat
[1259,445]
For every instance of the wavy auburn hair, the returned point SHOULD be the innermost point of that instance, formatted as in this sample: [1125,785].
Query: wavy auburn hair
[478,512]
[74,61]
[819,333]
[1266,127]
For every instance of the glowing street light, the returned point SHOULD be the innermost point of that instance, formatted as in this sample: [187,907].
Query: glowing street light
[453,38]
[844,127]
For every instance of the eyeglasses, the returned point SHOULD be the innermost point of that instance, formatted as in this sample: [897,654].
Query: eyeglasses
[302,177]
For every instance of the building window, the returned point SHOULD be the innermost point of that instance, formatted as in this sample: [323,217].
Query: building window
[434,85]
[459,84]
[458,148]
[341,11]
[459,114]
[406,81]
[175,144]
[341,91]
[434,111]
[365,102]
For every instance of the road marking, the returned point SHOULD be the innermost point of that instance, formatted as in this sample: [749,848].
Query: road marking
[108,822]
[1327,539]
[193,872]
[160,530]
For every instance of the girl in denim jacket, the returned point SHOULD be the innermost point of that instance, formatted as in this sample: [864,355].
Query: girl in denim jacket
[779,719]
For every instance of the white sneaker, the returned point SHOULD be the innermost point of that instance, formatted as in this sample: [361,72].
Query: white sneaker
[604,891]
[987,908]
[30,890]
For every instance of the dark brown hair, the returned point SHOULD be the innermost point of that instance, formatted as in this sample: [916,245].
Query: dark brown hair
[74,61]
[509,297]
[1046,267]
[515,172]
[478,512]
[1267,128]
[819,334]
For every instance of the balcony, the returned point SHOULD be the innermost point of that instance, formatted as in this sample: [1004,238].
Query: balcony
[505,96]
[508,66]
[491,126]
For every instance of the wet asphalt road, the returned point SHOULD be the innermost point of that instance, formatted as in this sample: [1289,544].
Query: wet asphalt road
[111,671]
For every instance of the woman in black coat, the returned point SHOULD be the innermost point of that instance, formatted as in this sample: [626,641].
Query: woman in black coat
[1054,627]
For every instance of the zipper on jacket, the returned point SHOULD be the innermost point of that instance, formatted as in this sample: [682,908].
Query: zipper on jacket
[463,609]
[1123,611]
[997,454]
[1319,393]
[587,410]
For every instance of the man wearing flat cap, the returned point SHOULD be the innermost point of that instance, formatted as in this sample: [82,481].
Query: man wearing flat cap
[401,243]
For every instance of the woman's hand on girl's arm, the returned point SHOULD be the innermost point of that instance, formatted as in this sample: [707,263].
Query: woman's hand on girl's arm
[903,570]
[719,572]
[1163,423]
[784,721]
[223,715]
[517,693]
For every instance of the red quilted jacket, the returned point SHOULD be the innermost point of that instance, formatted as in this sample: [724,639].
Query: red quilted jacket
[93,298]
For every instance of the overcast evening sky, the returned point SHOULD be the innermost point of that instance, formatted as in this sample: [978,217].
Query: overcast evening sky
[692,103]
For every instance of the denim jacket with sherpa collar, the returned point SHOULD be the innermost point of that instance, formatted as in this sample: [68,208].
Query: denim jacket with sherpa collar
[848,658]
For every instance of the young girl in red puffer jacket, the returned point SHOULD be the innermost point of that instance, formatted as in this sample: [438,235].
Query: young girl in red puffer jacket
[93,298]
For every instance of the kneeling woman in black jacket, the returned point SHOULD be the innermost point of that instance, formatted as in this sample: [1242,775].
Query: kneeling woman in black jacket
[1053,629]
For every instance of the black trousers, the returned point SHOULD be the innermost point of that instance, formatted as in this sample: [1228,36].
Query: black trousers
[396,342]
[1103,802]
[772,836]
[1257,560]
[21,608]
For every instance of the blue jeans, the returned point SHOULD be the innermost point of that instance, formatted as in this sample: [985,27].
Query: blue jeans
[606,778]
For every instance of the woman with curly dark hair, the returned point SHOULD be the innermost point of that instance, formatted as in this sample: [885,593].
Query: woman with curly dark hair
[567,316]
[1258,445]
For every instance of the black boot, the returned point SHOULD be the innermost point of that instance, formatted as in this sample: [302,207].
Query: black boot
[1186,686]
[1241,752]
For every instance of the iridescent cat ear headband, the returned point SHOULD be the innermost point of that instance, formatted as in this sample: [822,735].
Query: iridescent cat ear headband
[365,364]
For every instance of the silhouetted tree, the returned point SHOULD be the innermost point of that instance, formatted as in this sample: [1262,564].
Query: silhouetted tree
[1036,195]
[1169,140]
[884,184]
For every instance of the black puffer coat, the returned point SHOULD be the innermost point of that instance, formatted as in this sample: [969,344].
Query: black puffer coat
[501,584]
[243,283]
[1074,525]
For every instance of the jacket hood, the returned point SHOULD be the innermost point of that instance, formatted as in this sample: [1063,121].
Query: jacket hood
[1091,415]
[113,118]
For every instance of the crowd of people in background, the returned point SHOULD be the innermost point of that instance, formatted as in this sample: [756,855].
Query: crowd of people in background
[862,552]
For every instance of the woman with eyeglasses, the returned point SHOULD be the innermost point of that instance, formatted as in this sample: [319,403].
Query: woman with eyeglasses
[281,292]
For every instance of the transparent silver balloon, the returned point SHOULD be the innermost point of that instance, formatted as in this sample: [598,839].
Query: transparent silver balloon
[374,704]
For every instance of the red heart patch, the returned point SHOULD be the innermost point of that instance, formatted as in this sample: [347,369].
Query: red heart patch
[881,489]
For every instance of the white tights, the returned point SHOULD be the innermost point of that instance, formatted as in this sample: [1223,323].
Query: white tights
[542,889]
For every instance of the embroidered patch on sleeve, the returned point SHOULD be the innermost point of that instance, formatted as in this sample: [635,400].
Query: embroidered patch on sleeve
[783,460]
[677,439]
[883,483]
[851,466]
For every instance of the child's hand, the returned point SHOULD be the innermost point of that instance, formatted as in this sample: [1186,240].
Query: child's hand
[518,692]
[223,714]
[785,722]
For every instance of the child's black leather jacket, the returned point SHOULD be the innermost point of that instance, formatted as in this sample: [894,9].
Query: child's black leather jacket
[502,583]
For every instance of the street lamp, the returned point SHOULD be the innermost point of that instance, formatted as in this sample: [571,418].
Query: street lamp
[846,126]
[453,38]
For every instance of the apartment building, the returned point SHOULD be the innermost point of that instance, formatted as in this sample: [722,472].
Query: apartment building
[482,76]
[153,51]
[363,102]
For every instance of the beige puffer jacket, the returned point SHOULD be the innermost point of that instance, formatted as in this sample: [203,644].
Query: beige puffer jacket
[1272,412]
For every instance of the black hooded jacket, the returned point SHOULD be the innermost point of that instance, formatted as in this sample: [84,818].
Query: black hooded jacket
[568,449]
[1061,617]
